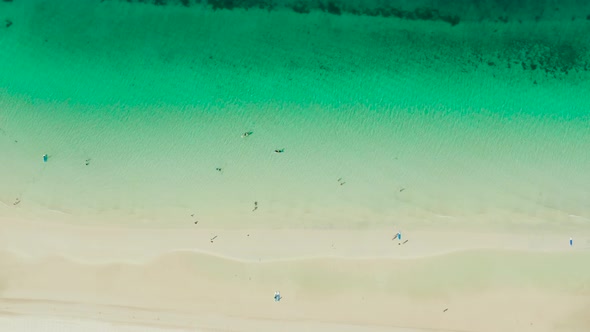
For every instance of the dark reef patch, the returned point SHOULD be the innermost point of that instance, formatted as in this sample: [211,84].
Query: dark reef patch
[185,3]
[332,7]
[240,4]
[300,7]
[554,60]
[509,46]
[222,4]
[426,14]
[451,19]
[451,12]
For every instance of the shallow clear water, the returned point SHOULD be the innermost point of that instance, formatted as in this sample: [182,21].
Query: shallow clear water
[485,120]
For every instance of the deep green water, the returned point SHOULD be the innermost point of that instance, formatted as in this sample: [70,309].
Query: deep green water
[485,119]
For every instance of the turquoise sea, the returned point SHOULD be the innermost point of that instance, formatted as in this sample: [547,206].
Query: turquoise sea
[422,112]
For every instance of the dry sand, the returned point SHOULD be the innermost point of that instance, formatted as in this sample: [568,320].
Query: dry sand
[58,277]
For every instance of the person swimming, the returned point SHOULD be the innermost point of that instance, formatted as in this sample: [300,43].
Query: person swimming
[279,150]
[246,134]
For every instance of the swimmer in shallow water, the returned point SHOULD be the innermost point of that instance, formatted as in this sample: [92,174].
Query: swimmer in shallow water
[279,150]
[246,134]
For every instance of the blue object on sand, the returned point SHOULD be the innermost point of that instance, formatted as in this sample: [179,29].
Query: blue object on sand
[277,296]
[571,242]
[399,235]
[44,158]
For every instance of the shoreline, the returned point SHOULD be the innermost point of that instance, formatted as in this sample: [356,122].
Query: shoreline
[469,140]
[255,245]
[127,279]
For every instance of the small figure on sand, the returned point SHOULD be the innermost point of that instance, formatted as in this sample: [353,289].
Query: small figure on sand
[45,157]
[246,134]
[398,236]
[277,296]
[571,241]
[255,206]
[279,150]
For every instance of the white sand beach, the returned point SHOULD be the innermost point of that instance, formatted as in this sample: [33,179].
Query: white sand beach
[64,278]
